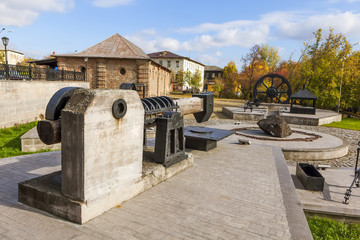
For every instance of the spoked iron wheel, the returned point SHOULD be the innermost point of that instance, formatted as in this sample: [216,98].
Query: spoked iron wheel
[272,88]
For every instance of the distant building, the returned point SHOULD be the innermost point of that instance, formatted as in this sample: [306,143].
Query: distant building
[176,63]
[114,61]
[210,73]
[13,57]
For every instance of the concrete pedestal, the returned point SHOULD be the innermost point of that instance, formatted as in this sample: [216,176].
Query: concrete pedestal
[45,193]
[102,157]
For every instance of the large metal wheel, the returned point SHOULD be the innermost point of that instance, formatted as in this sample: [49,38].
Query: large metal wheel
[272,88]
[58,102]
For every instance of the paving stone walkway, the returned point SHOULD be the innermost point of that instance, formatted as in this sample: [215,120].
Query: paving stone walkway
[232,192]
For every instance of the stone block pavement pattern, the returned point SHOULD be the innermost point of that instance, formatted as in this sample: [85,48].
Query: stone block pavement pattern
[232,192]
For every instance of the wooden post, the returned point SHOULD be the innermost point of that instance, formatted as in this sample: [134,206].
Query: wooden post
[190,105]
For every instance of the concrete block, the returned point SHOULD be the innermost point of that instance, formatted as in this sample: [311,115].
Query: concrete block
[45,192]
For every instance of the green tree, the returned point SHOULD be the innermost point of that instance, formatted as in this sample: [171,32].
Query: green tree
[195,80]
[350,92]
[270,55]
[180,78]
[321,67]
[219,86]
[187,77]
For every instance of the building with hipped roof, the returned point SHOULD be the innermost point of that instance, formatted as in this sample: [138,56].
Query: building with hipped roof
[210,73]
[114,61]
[175,63]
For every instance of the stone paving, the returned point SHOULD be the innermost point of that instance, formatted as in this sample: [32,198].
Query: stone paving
[232,192]
[329,201]
[352,136]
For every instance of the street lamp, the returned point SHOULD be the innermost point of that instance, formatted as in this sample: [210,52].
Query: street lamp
[341,79]
[5,41]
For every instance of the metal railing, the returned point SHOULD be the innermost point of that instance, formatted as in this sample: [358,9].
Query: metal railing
[17,72]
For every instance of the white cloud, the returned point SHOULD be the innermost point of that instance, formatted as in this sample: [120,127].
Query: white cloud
[110,3]
[208,59]
[295,25]
[150,41]
[24,12]
[301,27]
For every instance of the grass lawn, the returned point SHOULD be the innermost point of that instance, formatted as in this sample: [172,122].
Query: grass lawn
[329,229]
[347,123]
[10,143]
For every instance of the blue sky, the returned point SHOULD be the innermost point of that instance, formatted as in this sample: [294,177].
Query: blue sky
[211,32]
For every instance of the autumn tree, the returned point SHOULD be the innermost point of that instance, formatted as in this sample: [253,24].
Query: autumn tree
[350,92]
[230,80]
[25,61]
[321,67]
[253,68]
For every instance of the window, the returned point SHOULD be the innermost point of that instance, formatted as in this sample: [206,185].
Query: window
[177,64]
[160,62]
[169,64]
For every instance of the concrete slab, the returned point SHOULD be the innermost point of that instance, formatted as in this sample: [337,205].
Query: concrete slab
[329,202]
[238,113]
[30,142]
[301,145]
[227,194]
[321,117]
[45,193]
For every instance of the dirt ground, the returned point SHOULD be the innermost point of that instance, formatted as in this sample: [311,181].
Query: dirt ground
[218,104]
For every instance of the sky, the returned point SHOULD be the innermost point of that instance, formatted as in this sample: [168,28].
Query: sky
[211,32]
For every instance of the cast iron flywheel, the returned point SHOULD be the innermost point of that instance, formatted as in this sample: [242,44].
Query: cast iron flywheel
[272,87]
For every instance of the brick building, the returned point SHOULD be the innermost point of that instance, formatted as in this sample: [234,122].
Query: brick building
[114,61]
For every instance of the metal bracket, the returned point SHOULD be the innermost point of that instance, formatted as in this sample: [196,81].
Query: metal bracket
[169,140]
[208,107]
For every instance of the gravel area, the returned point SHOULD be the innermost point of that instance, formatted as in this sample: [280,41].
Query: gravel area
[352,136]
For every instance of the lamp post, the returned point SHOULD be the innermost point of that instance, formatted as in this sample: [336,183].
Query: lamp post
[86,70]
[5,41]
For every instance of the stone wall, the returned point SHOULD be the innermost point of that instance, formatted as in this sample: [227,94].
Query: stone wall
[25,101]
[159,81]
